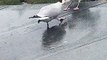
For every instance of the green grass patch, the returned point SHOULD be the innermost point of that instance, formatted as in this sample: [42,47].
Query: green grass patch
[42,1]
[9,2]
[15,2]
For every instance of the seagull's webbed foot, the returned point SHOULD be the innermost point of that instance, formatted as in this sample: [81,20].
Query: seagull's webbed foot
[67,9]
[76,9]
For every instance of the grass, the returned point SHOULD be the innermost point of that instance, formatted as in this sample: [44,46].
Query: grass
[43,1]
[15,2]
[9,2]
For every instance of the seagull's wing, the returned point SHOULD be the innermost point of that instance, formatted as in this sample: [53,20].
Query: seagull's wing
[50,10]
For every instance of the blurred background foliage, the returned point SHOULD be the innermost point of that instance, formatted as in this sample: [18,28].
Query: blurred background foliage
[15,2]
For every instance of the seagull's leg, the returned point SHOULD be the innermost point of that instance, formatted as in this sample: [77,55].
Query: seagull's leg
[68,7]
[77,7]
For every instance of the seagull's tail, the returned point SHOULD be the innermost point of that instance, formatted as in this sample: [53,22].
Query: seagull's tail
[35,16]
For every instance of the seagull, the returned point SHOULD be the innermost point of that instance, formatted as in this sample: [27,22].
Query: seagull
[76,8]
[50,12]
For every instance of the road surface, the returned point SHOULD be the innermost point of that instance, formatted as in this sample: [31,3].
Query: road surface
[82,36]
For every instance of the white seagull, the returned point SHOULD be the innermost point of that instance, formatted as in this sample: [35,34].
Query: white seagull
[50,12]
[73,1]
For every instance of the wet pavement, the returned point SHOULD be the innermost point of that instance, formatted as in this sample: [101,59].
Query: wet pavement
[24,39]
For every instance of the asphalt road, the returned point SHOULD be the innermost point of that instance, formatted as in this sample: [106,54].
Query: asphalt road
[24,39]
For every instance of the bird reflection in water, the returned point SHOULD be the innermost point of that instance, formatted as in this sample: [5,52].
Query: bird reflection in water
[53,36]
